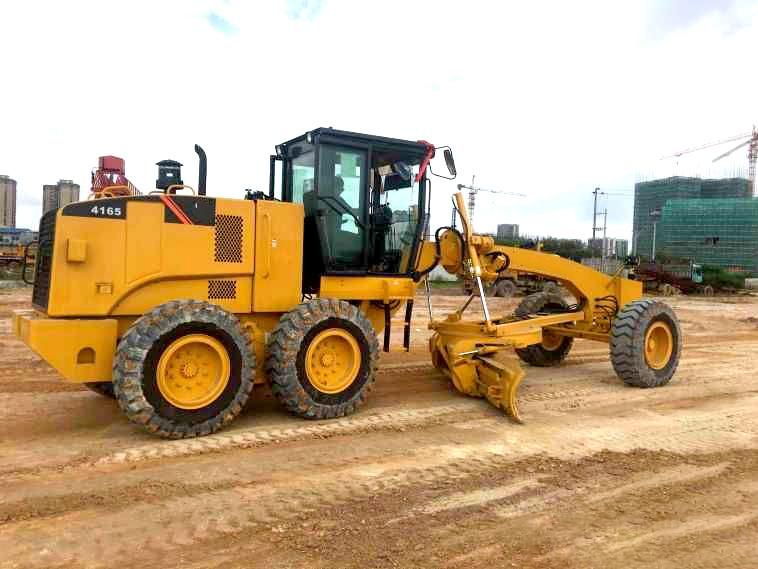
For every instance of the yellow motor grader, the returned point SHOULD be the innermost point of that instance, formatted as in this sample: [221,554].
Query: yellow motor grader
[176,303]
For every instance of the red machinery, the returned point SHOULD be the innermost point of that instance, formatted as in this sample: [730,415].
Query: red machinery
[671,278]
[109,179]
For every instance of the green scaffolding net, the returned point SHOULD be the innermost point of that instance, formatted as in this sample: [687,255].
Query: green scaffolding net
[708,221]
[718,232]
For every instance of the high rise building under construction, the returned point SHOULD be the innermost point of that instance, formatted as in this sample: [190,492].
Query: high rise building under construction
[714,222]
[58,195]
[7,201]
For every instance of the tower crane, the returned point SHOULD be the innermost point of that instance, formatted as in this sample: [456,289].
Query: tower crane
[749,139]
[752,154]
[473,190]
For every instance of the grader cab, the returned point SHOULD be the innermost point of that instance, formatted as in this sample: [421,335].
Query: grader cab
[177,304]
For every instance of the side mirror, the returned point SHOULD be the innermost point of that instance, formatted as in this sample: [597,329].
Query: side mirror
[450,162]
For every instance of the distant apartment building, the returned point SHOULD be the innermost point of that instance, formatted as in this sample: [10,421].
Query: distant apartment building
[7,201]
[622,248]
[609,247]
[507,231]
[58,195]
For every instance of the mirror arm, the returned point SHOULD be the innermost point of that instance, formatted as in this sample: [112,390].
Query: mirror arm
[433,173]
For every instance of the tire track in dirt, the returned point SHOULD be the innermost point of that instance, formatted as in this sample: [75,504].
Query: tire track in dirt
[392,420]
[208,514]
[218,512]
[668,476]
[582,393]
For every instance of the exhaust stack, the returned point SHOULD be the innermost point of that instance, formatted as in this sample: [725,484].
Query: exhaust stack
[203,170]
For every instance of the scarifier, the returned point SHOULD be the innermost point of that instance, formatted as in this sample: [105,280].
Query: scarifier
[177,304]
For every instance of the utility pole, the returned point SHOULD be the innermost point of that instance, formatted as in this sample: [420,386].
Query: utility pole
[604,241]
[594,214]
[655,223]
[471,202]
[655,216]
[594,221]
[595,228]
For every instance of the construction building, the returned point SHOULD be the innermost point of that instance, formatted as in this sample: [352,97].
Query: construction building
[7,201]
[507,231]
[718,232]
[609,247]
[58,195]
[651,197]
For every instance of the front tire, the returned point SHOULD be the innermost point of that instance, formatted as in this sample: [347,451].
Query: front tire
[554,348]
[646,342]
[504,289]
[185,369]
[322,359]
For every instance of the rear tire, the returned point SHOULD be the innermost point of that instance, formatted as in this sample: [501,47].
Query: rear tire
[104,388]
[646,342]
[553,349]
[185,369]
[322,359]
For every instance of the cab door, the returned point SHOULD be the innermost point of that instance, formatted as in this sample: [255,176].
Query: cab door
[340,207]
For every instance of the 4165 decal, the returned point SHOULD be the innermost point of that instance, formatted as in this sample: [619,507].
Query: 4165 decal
[106,211]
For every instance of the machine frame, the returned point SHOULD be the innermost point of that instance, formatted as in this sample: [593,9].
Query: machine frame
[176,305]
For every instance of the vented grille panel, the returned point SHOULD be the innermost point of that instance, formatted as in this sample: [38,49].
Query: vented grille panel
[228,239]
[41,291]
[219,289]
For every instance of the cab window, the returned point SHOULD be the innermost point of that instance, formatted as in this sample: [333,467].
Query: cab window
[303,166]
[342,205]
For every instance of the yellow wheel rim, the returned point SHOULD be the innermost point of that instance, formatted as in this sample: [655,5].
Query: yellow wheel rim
[551,342]
[659,345]
[333,360]
[193,371]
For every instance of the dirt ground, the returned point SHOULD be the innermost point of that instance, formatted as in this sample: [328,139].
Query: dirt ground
[601,475]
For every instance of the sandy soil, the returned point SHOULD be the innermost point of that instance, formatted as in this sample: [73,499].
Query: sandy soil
[601,475]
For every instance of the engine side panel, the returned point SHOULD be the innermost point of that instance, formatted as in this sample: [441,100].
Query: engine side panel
[124,256]
[278,256]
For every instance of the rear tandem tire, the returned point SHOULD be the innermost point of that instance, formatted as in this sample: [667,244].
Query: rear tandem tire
[322,359]
[646,342]
[554,349]
[184,369]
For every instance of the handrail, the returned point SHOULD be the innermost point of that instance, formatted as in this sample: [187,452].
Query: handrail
[110,192]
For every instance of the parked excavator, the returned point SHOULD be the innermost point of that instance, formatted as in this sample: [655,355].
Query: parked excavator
[177,303]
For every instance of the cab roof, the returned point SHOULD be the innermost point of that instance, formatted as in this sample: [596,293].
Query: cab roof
[331,135]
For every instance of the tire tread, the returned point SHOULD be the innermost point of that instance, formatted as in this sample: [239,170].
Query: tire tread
[286,341]
[135,345]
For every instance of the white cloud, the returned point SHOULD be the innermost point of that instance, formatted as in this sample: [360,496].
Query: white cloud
[549,99]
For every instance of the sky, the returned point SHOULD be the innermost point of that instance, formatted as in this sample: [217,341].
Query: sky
[548,99]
